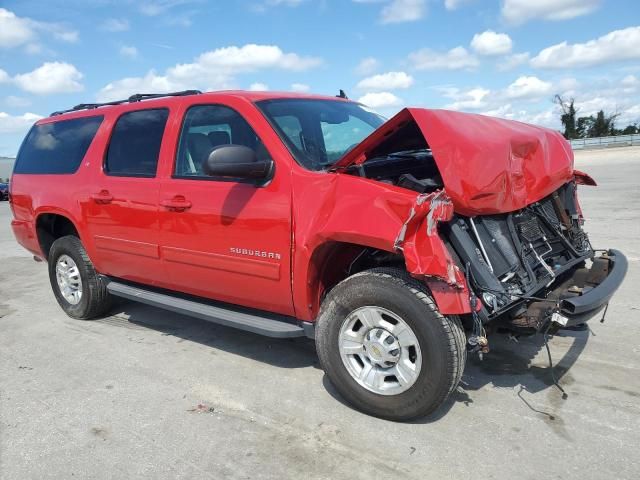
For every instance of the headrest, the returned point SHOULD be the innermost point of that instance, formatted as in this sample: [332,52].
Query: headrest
[218,138]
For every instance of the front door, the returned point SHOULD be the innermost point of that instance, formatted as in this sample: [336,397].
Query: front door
[122,213]
[224,239]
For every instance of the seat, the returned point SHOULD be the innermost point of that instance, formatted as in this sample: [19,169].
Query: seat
[199,149]
[218,138]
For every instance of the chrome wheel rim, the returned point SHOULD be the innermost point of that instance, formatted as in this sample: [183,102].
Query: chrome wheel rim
[68,278]
[380,350]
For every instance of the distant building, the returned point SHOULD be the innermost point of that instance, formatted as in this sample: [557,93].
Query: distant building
[6,167]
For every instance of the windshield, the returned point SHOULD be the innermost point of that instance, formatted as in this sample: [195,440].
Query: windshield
[319,132]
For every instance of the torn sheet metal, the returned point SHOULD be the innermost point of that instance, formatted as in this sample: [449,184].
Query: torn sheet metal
[424,252]
[582,178]
[416,214]
[435,207]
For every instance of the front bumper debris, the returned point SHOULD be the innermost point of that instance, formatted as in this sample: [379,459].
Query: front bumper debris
[592,293]
[589,290]
[583,294]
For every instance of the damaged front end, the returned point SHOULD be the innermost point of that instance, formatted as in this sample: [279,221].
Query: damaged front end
[529,265]
[497,210]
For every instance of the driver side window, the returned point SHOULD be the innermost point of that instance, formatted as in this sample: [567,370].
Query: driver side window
[207,127]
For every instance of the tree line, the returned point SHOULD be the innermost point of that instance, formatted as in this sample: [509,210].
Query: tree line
[600,125]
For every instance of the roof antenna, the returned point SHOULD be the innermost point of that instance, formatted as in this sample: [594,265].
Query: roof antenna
[342,95]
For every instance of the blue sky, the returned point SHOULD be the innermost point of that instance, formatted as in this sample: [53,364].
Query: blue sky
[504,57]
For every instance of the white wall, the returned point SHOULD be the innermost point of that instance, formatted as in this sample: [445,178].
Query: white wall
[6,166]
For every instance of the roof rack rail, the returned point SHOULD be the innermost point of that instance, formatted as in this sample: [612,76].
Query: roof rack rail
[138,97]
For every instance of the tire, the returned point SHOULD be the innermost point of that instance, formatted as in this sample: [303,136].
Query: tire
[441,344]
[94,300]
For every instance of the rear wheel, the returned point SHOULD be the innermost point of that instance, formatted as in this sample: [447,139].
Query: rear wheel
[386,348]
[76,285]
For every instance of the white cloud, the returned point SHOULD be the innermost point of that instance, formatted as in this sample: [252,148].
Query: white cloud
[50,77]
[491,43]
[524,90]
[211,70]
[22,31]
[17,102]
[528,87]
[472,99]
[513,61]
[521,11]
[367,66]
[64,35]
[14,31]
[4,76]
[258,87]
[126,87]
[17,123]
[286,3]
[454,4]
[265,5]
[529,99]
[300,87]
[455,59]
[399,11]
[386,81]
[153,8]
[380,100]
[621,96]
[251,57]
[545,117]
[129,51]
[115,25]
[630,81]
[618,45]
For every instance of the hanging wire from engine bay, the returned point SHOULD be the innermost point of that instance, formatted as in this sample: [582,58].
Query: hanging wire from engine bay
[478,341]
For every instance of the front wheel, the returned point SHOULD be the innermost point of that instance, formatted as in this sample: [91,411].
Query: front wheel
[386,348]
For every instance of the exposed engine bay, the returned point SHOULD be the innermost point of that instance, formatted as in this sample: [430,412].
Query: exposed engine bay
[517,263]
[411,169]
[512,257]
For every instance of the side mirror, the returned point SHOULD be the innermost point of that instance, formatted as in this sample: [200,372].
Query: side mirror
[236,161]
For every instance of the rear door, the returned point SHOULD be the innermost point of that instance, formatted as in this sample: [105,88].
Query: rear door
[122,214]
[226,239]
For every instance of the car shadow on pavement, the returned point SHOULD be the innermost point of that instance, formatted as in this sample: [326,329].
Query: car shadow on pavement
[283,353]
[524,363]
[509,364]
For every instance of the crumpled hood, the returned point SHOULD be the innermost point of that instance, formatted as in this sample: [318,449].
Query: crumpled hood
[488,165]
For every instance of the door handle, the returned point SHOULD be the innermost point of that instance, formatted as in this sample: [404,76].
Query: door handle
[176,204]
[103,197]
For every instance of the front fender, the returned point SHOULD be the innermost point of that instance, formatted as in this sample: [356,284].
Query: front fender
[365,212]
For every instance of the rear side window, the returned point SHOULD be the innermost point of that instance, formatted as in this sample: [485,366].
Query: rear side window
[57,147]
[135,143]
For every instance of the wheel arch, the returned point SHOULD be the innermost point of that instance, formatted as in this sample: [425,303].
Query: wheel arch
[51,225]
[332,261]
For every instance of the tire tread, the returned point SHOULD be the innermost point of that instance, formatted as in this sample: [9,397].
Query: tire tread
[451,326]
[99,299]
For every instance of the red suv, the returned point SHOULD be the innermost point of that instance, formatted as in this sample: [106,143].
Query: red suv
[398,245]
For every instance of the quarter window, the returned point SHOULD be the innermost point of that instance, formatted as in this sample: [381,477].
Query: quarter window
[207,127]
[57,147]
[135,143]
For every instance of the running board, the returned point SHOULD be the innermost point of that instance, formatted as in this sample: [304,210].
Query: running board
[276,326]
